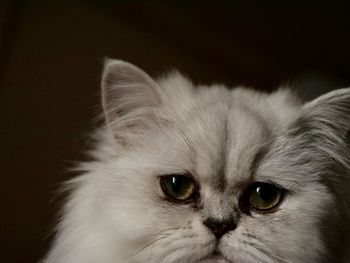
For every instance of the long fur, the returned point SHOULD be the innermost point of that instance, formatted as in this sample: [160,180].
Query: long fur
[226,139]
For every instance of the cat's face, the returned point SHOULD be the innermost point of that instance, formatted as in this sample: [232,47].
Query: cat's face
[188,175]
[184,199]
[215,175]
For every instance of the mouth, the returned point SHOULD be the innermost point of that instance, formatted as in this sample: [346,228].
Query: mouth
[216,257]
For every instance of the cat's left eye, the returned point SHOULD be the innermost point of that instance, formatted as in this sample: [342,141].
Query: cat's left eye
[263,197]
[180,188]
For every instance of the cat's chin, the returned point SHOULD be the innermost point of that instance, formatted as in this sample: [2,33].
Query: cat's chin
[214,259]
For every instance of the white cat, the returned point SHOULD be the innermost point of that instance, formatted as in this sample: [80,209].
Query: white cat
[185,174]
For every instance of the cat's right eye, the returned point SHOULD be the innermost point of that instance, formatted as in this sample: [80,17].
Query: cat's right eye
[179,188]
[262,197]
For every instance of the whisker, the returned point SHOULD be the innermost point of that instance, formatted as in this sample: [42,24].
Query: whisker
[255,257]
[274,255]
[260,246]
[168,229]
[161,236]
[182,247]
[149,244]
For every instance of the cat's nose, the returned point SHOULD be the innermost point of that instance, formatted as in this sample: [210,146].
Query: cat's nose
[220,227]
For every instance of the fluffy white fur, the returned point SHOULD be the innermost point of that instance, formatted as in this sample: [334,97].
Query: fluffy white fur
[115,212]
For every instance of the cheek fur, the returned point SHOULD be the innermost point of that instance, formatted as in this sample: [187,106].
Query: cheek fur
[282,235]
[182,239]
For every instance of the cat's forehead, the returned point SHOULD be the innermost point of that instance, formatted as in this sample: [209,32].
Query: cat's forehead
[227,131]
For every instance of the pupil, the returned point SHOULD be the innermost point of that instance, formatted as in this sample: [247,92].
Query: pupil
[267,193]
[177,184]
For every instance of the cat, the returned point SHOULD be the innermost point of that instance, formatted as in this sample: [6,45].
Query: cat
[207,174]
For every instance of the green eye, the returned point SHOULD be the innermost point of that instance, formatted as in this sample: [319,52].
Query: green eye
[264,196]
[178,187]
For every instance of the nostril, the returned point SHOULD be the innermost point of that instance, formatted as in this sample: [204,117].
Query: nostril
[219,227]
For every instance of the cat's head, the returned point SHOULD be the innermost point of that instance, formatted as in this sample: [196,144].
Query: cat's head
[206,174]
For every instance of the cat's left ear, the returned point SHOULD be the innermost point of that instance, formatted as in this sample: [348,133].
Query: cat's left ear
[328,116]
[130,99]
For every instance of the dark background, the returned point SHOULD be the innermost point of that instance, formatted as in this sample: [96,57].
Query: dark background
[51,55]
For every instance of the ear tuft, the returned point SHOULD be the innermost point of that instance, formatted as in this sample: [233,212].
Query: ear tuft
[129,98]
[324,128]
[330,113]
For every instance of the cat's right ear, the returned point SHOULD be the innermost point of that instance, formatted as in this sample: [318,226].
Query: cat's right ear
[130,98]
